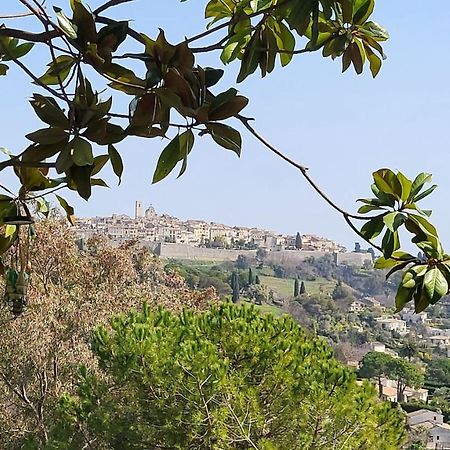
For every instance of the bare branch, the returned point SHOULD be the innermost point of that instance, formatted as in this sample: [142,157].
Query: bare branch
[27,36]
[16,16]
[109,4]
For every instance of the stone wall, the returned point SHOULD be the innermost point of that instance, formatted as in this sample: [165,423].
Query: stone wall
[182,251]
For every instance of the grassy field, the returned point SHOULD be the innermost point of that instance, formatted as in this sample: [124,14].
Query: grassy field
[269,309]
[285,286]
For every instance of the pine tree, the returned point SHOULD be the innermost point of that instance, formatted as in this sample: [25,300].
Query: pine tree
[296,288]
[298,242]
[302,288]
[250,276]
[257,280]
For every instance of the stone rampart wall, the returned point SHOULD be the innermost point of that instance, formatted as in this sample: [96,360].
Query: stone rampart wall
[182,251]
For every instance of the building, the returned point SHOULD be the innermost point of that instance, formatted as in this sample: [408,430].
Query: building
[410,317]
[390,324]
[357,306]
[428,427]
[440,340]
[150,227]
[439,437]
[138,210]
[424,415]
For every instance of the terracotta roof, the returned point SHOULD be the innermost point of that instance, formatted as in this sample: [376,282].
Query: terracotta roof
[389,391]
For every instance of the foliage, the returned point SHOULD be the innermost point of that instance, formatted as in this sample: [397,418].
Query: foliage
[165,85]
[298,241]
[438,372]
[377,365]
[71,292]
[242,262]
[396,201]
[441,399]
[235,287]
[296,288]
[169,83]
[340,292]
[226,378]
[279,271]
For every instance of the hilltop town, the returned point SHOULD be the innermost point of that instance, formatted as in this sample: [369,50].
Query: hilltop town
[152,228]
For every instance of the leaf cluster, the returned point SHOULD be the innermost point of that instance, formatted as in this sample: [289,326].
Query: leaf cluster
[425,279]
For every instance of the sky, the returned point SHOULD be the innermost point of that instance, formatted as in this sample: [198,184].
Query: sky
[342,126]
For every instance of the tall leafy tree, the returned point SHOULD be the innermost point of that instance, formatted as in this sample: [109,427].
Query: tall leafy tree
[228,378]
[375,365]
[405,374]
[250,276]
[296,288]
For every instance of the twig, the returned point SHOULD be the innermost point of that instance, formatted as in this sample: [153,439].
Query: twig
[15,162]
[109,4]
[16,16]
[350,224]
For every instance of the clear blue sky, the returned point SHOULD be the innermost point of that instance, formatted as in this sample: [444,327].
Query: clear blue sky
[342,126]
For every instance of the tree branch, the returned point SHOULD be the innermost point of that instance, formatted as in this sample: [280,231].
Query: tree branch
[15,16]
[27,36]
[109,4]
[15,162]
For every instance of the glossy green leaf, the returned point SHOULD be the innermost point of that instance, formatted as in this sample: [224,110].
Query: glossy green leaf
[99,163]
[16,52]
[435,284]
[81,177]
[372,228]
[70,212]
[403,296]
[362,10]
[49,111]
[226,136]
[178,149]
[48,136]
[393,220]
[82,152]
[425,193]
[390,243]
[212,76]
[116,161]
[69,29]
[58,70]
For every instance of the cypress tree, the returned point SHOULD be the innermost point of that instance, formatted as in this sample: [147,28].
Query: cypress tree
[296,288]
[250,276]
[302,288]
[298,242]
[257,280]
[235,287]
